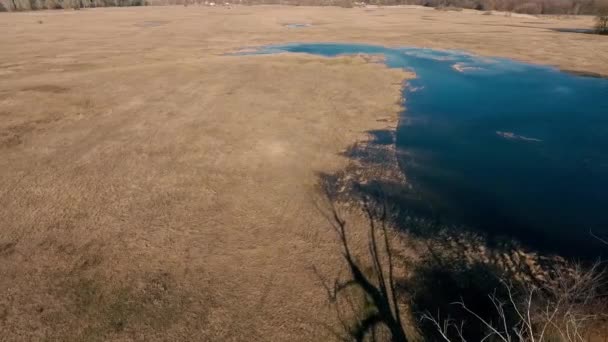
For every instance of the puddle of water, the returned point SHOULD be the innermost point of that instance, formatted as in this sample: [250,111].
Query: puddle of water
[573,30]
[508,147]
[296,25]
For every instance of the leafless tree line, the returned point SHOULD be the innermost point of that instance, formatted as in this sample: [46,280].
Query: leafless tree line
[601,23]
[559,7]
[27,5]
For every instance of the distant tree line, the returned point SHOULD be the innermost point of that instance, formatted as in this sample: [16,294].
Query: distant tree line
[561,7]
[27,5]
[601,23]
[557,7]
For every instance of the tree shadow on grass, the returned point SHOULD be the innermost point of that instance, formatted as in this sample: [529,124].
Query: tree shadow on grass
[436,288]
[369,303]
[455,292]
[370,292]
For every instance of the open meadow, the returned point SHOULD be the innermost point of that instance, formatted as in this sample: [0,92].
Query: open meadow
[154,187]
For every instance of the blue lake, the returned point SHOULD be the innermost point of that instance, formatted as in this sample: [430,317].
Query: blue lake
[506,147]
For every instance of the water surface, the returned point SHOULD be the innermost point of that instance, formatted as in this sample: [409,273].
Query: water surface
[503,146]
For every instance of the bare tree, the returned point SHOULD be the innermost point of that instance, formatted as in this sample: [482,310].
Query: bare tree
[561,313]
[601,23]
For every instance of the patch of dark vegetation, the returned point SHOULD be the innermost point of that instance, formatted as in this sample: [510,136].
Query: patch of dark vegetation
[14,135]
[155,303]
[7,248]
[10,138]
[601,23]
[47,88]
[584,73]
[449,8]
[3,313]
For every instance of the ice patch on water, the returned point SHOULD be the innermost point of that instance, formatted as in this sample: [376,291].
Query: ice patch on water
[513,136]
[461,67]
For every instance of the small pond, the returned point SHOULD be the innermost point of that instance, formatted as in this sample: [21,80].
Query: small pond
[297,25]
[507,147]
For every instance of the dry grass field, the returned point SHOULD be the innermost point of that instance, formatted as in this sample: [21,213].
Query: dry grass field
[154,188]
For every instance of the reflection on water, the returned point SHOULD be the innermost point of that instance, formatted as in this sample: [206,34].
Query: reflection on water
[507,147]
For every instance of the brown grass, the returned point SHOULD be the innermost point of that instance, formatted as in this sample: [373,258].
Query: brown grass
[153,188]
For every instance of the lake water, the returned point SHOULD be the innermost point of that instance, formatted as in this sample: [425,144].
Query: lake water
[503,146]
